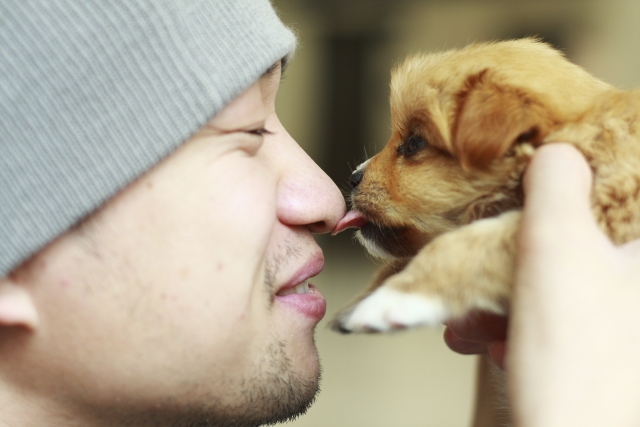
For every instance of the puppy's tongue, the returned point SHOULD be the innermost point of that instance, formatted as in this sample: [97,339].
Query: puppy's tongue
[353,219]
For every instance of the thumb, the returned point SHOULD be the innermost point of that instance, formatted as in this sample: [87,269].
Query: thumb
[557,186]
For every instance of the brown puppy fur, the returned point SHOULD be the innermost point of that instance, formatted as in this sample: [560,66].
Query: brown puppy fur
[443,198]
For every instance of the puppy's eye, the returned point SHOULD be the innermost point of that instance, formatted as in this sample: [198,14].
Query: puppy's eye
[411,145]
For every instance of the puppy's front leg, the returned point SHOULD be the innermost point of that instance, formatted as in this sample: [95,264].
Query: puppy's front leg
[470,268]
[381,276]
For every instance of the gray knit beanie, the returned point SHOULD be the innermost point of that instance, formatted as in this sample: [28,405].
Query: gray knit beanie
[93,93]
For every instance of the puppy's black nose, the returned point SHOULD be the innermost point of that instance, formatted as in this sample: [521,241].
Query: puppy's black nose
[356,178]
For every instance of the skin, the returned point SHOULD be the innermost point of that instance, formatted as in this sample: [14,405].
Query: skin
[160,309]
[572,353]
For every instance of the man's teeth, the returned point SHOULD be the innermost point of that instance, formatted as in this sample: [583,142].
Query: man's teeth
[302,288]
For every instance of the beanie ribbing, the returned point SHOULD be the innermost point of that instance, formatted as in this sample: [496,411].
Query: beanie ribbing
[94,93]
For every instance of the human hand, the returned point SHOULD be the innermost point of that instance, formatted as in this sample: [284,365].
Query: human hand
[479,333]
[574,338]
[574,352]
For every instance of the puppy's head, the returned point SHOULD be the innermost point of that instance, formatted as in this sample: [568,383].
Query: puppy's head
[464,125]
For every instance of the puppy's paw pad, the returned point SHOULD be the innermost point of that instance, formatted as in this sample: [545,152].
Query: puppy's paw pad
[388,310]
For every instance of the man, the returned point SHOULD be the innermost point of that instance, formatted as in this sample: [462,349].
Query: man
[182,299]
[146,280]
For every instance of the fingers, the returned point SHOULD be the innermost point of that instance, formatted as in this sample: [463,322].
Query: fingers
[557,207]
[557,177]
[497,352]
[461,346]
[475,333]
[480,327]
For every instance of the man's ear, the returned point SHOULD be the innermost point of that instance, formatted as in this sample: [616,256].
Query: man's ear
[491,118]
[16,305]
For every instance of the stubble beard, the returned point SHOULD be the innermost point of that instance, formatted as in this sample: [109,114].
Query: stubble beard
[273,393]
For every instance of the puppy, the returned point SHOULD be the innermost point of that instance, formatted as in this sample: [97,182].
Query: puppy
[441,203]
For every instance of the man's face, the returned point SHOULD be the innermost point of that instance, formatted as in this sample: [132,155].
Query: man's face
[173,304]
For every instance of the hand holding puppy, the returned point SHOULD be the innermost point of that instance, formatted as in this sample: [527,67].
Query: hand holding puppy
[574,350]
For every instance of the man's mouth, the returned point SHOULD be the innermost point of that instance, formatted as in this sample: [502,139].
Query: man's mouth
[302,288]
[300,295]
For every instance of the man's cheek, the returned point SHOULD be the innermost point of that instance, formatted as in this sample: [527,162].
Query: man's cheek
[251,208]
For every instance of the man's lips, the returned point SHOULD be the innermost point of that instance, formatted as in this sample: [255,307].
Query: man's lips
[353,219]
[311,268]
[302,296]
[310,304]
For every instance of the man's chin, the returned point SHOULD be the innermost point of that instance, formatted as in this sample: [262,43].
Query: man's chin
[287,402]
[278,390]
[259,403]
[288,411]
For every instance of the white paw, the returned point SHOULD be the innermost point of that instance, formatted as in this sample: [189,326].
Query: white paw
[387,310]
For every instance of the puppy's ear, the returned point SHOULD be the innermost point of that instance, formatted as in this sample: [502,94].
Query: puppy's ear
[492,117]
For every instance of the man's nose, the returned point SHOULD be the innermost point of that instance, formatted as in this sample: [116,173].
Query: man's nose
[356,178]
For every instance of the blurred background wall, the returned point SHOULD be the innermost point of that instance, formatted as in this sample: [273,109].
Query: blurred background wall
[334,103]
